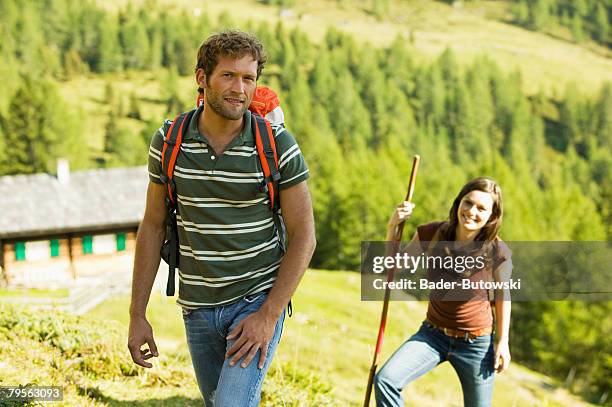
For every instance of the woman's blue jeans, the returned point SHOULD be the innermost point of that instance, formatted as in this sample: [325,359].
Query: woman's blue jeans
[472,359]
[223,385]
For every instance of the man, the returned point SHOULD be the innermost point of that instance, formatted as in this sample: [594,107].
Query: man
[235,280]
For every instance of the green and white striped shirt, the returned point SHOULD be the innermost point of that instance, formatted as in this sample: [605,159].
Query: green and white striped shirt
[229,245]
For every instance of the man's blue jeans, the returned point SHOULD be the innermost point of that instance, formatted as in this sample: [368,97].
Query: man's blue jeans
[472,359]
[223,385]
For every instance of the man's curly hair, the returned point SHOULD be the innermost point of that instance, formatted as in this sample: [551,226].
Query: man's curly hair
[233,43]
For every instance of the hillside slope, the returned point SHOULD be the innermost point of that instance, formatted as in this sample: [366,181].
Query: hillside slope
[323,358]
[91,363]
[546,63]
[331,337]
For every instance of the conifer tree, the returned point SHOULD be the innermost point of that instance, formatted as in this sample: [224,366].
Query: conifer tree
[325,162]
[299,100]
[568,119]
[109,94]
[88,48]
[56,24]
[154,59]
[601,172]
[539,14]
[9,65]
[110,55]
[576,28]
[603,117]
[288,60]
[601,23]
[273,48]
[579,8]
[73,64]
[111,133]
[462,132]
[321,78]
[373,94]
[400,120]
[29,40]
[398,66]
[302,45]
[122,147]
[203,27]
[134,109]
[135,44]
[9,18]
[350,119]
[431,94]
[171,93]
[522,11]
[39,129]
[10,78]
[180,45]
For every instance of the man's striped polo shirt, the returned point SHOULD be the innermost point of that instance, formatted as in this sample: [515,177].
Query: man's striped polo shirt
[229,245]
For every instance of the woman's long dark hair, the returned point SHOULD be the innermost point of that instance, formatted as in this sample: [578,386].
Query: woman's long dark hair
[489,231]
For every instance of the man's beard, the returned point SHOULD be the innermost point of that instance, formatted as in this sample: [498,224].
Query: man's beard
[216,103]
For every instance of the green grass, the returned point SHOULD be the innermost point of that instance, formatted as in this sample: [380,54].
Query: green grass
[88,358]
[323,358]
[34,292]
[332,336]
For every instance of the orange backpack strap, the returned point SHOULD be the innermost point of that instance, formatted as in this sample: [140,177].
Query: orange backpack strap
[172,145]
[266,149]
[268,157]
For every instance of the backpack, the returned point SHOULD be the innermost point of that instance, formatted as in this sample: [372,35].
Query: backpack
[263,103]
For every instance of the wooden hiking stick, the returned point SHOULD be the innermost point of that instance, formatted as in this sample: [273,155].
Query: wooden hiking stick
[383,318]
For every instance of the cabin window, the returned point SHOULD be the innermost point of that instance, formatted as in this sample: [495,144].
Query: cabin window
[20,253]
[87,244]
[54,245]
[120,242]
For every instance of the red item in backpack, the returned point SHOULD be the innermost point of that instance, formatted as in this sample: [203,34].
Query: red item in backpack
[264,101]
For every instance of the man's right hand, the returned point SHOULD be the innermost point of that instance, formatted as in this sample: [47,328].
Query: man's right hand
[140,334]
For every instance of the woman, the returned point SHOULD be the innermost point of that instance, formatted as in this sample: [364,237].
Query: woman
[457,331]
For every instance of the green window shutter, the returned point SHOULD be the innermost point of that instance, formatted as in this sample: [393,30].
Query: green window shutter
[87,244]
[54,244]
[120,242]
[20,254]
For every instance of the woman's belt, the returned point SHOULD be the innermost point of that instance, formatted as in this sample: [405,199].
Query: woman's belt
[458,333]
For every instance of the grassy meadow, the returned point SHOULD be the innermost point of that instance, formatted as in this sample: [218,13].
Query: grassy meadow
[323,358]
[88,95]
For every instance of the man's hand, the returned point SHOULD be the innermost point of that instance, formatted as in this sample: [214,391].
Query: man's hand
[254,333]
[502,356]
[150,237]
[141,333]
